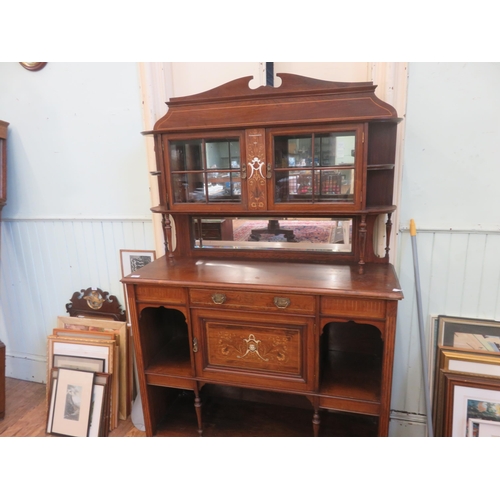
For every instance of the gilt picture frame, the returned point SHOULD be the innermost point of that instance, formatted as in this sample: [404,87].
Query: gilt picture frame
[449,360]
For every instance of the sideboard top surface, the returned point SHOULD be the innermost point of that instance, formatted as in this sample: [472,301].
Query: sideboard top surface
[377,281]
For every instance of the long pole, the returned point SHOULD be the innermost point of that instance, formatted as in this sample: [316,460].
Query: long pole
[423,352]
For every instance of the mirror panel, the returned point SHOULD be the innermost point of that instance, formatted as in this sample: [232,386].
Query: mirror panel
[283,234]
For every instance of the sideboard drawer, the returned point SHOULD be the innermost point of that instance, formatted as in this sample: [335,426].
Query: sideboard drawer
[170,295]
[353,308]
[263,302]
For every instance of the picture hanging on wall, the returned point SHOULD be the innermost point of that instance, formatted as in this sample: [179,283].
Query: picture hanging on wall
[133,260]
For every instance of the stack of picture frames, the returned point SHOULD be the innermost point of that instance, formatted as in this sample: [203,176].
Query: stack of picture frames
[84,360]
[466,396]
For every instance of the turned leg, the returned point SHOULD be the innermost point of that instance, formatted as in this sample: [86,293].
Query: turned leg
[197,407]
[316,421]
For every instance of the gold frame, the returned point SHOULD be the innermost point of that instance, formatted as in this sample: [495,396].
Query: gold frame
[454,361]
[111,367]
[119,329]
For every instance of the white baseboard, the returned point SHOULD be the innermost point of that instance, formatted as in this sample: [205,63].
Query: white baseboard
[32,368]
[404,424]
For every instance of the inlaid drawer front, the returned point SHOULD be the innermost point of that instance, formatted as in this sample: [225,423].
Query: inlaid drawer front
[353,308]
[171,295]
[254,347]
[265,302]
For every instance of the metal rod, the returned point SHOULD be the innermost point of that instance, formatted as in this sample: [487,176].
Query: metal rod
[423,351]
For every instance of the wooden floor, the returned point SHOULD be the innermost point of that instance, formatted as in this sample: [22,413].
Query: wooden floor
[26,412]
[228,412]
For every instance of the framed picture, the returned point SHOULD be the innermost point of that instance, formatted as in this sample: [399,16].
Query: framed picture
[480,364]
[85,334]
[100,405]
[483,428]
[72,403]
[78,363]
[467,398]
[133,260]
[120,330]
[99,416]
[469,334]
[95,349]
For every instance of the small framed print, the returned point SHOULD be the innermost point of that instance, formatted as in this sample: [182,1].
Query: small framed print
[99,416]
[72,403]
[467,398]
[483,428]
[133,260]
[100,405]
[469,334]
[78,363]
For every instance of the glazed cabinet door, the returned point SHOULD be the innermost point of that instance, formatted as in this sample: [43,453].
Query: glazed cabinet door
[257,350]
[204,173]
[315,168]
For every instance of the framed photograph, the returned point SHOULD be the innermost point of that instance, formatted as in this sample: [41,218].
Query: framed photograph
[469,334]
[467,398]
[72,403]
[121,332]
[78,363]
[480,364]
[133,260]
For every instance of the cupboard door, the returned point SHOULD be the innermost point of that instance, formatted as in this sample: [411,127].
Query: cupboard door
[315,168]
[268,351]
[205,171]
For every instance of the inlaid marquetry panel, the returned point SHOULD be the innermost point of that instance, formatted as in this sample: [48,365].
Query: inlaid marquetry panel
[256,168]
[254,347]
[353,308]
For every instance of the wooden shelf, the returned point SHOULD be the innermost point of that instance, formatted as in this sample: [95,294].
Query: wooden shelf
[351,382]
[172,360]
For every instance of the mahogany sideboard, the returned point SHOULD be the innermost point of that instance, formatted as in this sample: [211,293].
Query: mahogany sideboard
[296,294]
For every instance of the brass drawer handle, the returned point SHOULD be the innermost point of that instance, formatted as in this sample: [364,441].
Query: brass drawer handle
[281,302]
[218,298]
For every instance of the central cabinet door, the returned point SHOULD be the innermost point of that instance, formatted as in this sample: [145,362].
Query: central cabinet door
[257,350]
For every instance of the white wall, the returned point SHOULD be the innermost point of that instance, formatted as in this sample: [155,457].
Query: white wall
[449,187]
[77,194]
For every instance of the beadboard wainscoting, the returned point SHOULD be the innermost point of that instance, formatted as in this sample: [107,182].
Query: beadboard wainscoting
[459,276]
[43,262]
